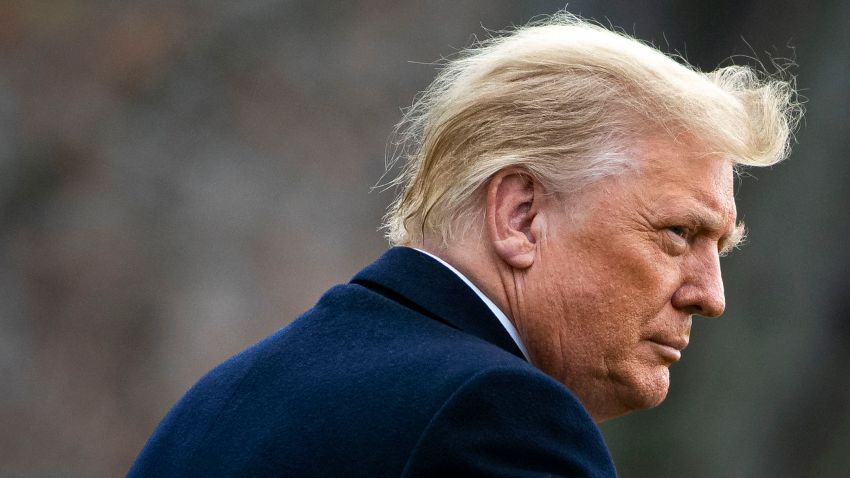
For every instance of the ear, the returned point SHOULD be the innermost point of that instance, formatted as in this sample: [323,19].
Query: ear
[513,198]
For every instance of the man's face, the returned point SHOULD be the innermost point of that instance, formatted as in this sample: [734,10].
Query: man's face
[607,304]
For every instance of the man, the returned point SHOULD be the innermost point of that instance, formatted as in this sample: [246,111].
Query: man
[566,195]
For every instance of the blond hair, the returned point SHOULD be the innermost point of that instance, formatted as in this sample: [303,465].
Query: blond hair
[563,99]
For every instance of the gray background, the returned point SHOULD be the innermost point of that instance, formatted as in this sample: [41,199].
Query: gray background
[180,179]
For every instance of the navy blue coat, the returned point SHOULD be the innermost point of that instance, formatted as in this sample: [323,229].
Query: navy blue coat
[404,371]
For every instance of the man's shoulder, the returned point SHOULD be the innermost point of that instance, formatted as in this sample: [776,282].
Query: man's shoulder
[365,369]
[354,334]
[358,337]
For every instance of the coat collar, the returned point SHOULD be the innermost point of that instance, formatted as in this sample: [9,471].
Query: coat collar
[436,291]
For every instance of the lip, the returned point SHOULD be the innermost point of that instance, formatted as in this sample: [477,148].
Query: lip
[671,349]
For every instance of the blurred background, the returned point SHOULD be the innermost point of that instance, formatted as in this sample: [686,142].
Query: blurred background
[180,179]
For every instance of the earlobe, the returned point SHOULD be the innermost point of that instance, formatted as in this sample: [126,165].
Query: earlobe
[512,200]
[514,252]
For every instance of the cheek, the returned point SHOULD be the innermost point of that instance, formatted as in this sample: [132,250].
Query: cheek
[598,291]
[642,276]
[624,291]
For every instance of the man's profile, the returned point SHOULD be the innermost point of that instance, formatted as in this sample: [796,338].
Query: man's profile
[566,194]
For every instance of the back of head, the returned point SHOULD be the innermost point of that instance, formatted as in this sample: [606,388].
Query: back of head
[566,100]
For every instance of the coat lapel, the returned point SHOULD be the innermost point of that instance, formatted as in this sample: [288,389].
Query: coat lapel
[408,276]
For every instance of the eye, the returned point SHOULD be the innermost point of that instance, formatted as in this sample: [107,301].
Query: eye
[680,231]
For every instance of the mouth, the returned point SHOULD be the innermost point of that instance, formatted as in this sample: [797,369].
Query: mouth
[670,348]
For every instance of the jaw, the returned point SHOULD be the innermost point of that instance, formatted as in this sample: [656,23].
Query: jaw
[644,390]
[615,394]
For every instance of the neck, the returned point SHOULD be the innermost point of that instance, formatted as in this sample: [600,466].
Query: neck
[481,266]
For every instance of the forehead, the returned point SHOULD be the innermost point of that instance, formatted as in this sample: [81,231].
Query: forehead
[671,174]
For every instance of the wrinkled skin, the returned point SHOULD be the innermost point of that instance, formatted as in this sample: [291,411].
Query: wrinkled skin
[606,305]
[602,285]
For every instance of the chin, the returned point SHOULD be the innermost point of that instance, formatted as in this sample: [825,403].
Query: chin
[649,390]
[637,392]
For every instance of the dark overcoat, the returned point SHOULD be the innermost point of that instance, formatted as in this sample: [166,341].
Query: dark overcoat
[403,371]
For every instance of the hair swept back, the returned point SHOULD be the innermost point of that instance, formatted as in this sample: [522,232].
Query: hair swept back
[564,98]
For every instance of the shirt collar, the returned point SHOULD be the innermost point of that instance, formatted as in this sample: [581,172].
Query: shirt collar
[503,319]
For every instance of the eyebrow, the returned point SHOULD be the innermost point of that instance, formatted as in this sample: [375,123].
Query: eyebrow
[734,240]
[705,219]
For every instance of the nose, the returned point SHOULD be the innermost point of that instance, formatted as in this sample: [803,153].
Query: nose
[701,291]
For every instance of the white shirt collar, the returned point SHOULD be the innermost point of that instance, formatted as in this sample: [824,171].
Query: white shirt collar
[503,319]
